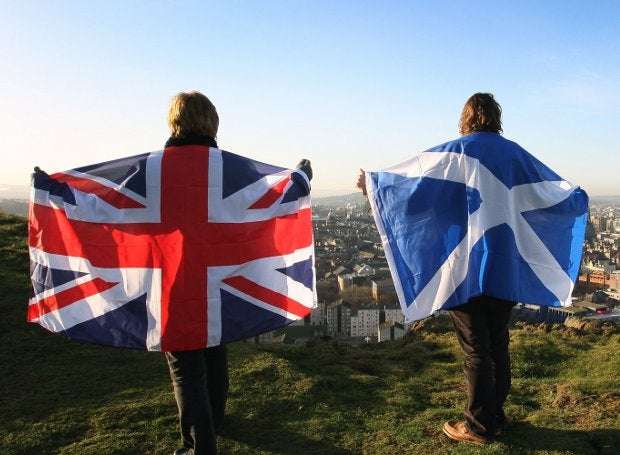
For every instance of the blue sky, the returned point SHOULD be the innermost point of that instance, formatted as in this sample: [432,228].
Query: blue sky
[345,84]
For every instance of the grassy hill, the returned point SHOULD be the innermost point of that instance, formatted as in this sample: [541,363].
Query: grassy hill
[59,396]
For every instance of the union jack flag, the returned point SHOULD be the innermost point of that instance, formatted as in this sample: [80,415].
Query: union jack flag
[180,249]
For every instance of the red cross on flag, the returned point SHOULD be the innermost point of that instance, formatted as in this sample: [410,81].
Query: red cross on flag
[180,249]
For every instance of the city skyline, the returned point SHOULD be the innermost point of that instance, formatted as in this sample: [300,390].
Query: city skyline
[347,85]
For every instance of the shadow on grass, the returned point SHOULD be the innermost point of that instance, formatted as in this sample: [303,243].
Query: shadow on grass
[345,387]
[327,405]
[275,439]
[46,374]
[523,435]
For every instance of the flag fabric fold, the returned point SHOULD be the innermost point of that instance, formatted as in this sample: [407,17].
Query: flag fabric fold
[180,249]
[478,215]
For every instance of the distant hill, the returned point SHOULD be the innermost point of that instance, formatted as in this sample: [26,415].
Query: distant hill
[605,200]
[60,396]
[14,199]
[340,201]
[14,207]
[14,191]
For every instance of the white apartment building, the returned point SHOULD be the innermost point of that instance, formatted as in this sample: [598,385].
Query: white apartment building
[394,315]
[365,322]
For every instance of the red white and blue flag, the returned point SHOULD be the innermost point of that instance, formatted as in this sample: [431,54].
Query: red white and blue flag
[181,249]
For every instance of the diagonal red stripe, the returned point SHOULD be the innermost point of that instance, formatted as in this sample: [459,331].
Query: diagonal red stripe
[67,297]
[267,295]
[272,195]
[111,196]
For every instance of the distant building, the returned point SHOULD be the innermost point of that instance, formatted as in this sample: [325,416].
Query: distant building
[558,315]
[363,270]
[338,318]
[364,322]
[613,296]
[317,317]
[383,288]
[610,297]
[393,315]
[363,254]
[389,331]
[340,270]
[269,338]
[345,281]
[351,279]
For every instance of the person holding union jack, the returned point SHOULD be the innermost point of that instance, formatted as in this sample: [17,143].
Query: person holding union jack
[180,251]
[199,377]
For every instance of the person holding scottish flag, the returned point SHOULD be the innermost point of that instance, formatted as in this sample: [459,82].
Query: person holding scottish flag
[473,226]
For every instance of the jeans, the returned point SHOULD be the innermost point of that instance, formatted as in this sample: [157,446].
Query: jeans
[200,382]
[482,330]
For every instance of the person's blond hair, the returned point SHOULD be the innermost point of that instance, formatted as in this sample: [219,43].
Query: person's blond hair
[191,113]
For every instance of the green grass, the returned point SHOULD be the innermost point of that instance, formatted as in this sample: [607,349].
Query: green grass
[59,396]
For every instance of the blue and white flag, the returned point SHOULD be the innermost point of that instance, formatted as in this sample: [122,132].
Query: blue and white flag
[478,215]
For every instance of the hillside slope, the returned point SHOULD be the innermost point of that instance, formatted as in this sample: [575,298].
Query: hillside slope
[63,397]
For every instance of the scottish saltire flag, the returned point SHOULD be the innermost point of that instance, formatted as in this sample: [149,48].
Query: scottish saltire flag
[176,250]
[478,215]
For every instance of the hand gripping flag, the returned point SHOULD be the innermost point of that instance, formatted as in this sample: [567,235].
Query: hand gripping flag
[176,250]
[478,215]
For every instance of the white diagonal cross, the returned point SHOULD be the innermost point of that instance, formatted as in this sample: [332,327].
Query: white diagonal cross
[499,205]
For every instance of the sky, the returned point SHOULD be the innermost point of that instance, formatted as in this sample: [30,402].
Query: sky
[347,85]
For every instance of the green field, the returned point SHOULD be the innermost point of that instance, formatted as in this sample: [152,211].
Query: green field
[62,397]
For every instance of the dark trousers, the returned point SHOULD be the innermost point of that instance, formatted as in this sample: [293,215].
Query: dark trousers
[482,330]
[200,381]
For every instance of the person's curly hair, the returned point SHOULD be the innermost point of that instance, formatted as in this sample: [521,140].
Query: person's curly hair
[481,113]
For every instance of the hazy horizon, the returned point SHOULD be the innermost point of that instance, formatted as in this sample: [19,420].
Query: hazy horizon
[22,191]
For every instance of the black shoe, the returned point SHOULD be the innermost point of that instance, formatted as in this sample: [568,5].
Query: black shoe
[184,451]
